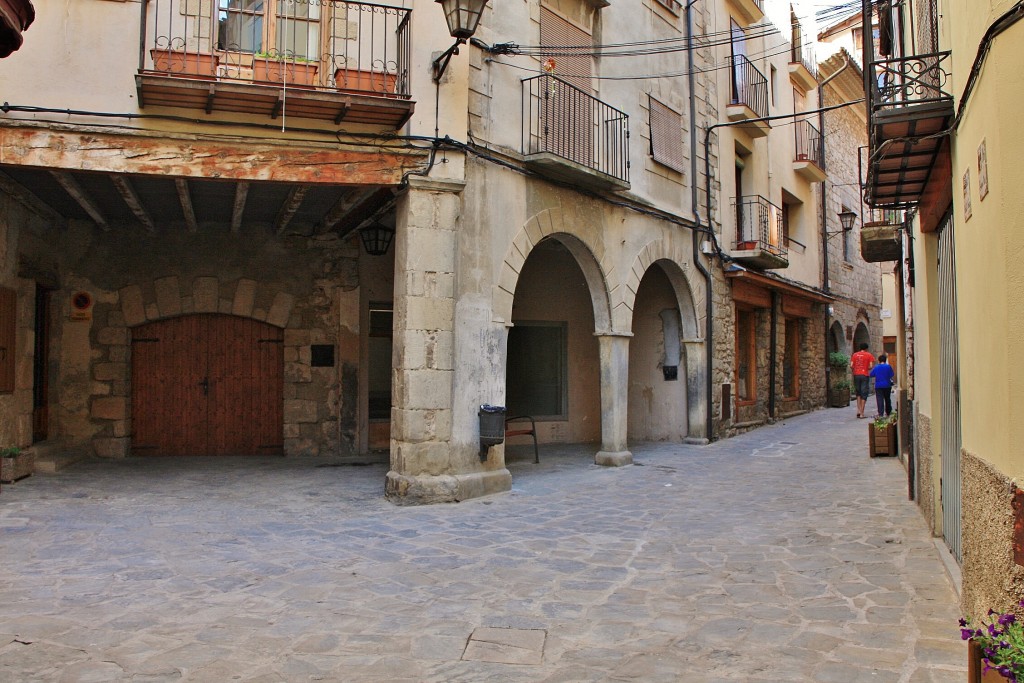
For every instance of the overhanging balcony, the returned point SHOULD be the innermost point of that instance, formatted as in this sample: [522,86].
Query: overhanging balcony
[747,12]
[759,237]
[571,136]
[803,71]
[910,109]
[344,62]
[808,159]
[748,96]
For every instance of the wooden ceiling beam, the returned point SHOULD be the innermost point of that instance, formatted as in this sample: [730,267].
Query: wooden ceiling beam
[124,186]
[186,204]
[29,200]
[77,193]
[241,192]
[289,207]
[352,198]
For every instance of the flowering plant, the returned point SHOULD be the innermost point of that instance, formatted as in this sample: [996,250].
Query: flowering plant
[1001,641]
[883,421]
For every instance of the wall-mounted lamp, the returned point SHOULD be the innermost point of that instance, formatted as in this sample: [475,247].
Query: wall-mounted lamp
[462,16]
[847,219]
[376,238]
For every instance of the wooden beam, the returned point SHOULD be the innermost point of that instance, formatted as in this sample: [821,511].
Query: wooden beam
[30,201]
[376,204]
[289,207]
[124,186]
[186,204]
[352,197]
[72,187]
[185,156]
[241,192]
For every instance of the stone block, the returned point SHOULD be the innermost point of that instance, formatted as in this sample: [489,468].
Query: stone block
[291,431]
[132,305]
[152,312]
[297,372]
[110,371]
[430,251]
[245,298]
[115,318]
[301,448]
[118,354]
[426,389]
[423,313]
[168,296]
[298,411]
[281,309]
[428,349]
[225,305]
[109,408]
[294,337]
[206,295]
[117,447]
[422,425]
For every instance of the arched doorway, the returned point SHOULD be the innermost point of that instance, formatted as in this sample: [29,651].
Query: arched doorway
[207,384]
[657,363]
[553,358]
[861,336]
[836,341]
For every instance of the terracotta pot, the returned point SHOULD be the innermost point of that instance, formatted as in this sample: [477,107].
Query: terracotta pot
[191,64]
[743,246]
[372,82]
[277,71]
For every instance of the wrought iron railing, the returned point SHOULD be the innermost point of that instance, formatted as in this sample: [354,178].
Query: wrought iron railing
[809,145]
[758,225]
[886,216]
[328,44]
[748,86]
[561,119]
[919,79]
[803,53]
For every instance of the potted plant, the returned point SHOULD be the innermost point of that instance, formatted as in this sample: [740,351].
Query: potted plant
[279,68]
[995,649]
[746,245]
[358,81]
[882,436]
[839,393]
[15,464]
[180,63]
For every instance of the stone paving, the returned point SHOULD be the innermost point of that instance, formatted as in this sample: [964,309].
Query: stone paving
[784,554]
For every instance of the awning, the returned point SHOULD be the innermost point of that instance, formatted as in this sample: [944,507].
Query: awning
[15,17]
[755,290]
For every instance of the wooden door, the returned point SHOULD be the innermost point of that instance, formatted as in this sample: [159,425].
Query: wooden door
[207,385]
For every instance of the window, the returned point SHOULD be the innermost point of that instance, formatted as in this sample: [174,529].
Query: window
[666,136]
[284,27]
[774,75]
[536,373]
[791,361]
[746,356]
[8,332]
[379,357]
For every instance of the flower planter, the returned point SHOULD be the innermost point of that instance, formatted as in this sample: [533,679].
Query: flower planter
[882,440]
[976,667]
[351,80]
[746,245]
[276,71]
[191,64]
[839,398]
[17,467]
[880,242]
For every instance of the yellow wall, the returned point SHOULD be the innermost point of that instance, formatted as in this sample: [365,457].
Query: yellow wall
[990,283]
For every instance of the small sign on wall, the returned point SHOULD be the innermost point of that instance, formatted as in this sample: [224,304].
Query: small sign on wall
[81,306]
[982,170]
[967,195]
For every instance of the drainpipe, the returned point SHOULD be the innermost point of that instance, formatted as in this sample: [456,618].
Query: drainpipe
[709,326]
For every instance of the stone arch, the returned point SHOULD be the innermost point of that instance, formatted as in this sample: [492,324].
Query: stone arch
[673,262]
[550,224]
[861,335]
[836,338]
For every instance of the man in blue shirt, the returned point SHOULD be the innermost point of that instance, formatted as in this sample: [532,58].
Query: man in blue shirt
[883,375]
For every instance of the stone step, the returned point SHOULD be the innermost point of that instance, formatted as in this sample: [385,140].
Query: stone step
[53,456]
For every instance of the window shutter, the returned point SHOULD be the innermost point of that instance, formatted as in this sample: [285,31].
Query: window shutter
[667,136]
[8,330]
[558,32]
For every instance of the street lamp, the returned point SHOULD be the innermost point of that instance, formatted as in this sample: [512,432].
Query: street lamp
[847,219]
[376,238]
[462,16]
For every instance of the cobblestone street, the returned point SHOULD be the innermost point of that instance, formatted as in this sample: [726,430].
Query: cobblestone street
[785,554]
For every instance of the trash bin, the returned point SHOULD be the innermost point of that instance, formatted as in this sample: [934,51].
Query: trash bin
[492,425]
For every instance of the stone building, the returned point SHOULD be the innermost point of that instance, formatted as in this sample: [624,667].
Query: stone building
[315,231]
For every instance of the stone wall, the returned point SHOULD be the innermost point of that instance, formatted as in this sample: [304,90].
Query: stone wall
[926,463]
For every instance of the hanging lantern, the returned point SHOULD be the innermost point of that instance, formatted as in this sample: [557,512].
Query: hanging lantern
[376,239]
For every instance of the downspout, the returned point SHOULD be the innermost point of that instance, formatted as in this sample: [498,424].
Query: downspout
[709,326]
[826,282]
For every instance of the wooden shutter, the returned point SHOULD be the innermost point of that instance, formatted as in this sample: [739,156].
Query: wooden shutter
[8,331]
[555,31]
[667,136]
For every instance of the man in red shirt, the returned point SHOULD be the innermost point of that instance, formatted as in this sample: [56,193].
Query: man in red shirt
[861,363]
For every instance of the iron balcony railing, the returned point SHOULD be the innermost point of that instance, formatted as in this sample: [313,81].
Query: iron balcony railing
[758,225]
[562,119]
[749,87]
[803,53]
[346,46]
[919,79]
[809,145]
[886,216]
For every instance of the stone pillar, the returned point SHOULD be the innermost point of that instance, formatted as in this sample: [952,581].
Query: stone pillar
[614,349]
[696,396]
[426,465]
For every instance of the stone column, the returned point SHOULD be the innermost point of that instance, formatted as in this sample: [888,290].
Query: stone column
[426,465]
[614,349]
[696,396]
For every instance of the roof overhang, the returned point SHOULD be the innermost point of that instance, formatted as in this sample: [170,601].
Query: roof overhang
[15,16]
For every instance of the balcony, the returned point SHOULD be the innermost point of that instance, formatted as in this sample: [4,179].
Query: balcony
[571,136]
[803,71]
[343,62]
[808,159]
[759,236]
[748,96]
[881,236]
[909,110]
[747,12]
